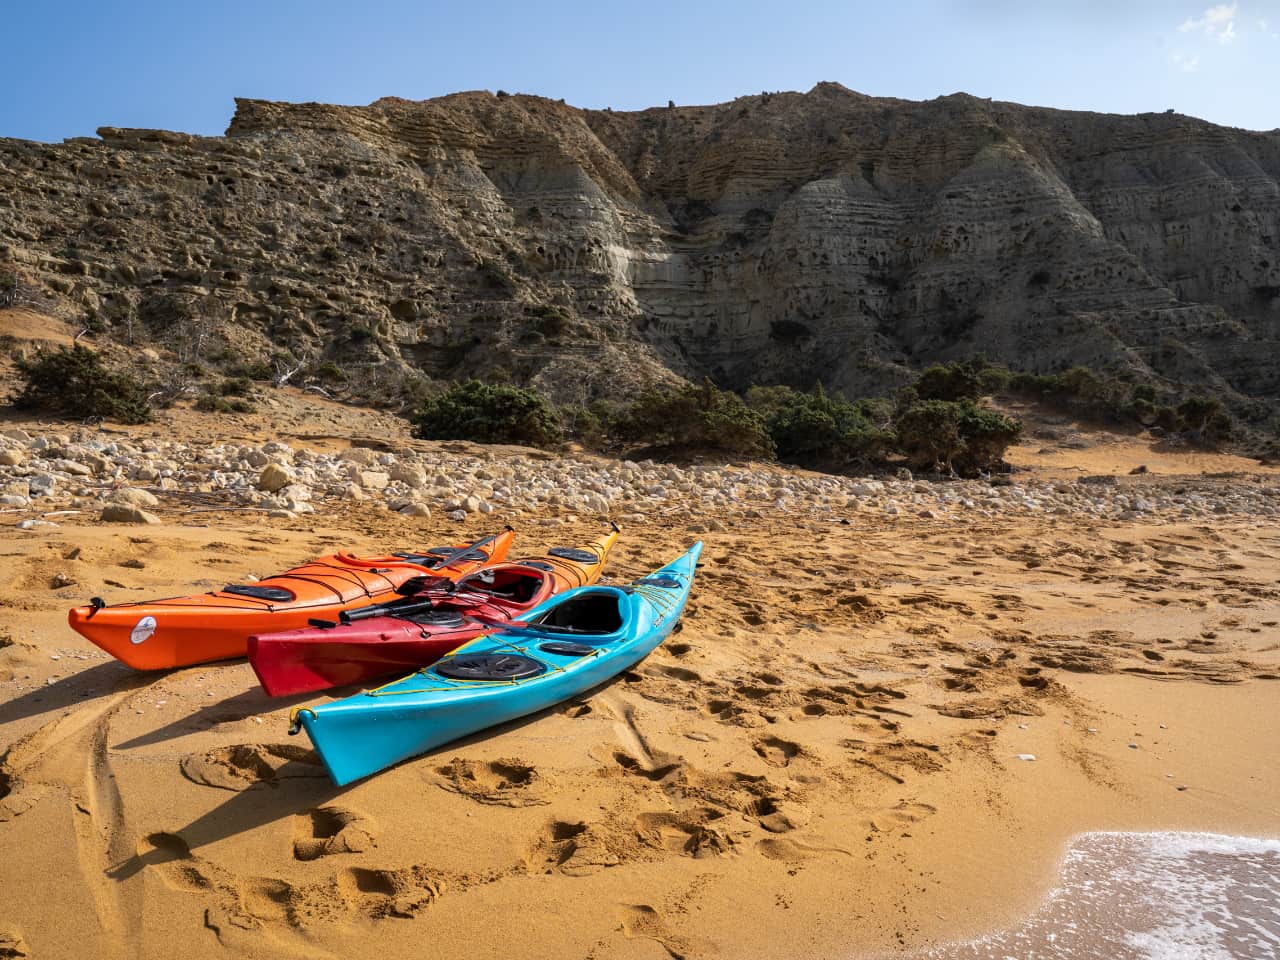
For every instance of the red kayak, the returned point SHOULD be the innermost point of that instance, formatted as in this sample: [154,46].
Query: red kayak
[407,634]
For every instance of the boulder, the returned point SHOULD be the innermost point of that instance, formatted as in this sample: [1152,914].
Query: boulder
[274,477]
[125,513]
[360,455]
[408,474]
[10,458]
[134,497]
[373,480]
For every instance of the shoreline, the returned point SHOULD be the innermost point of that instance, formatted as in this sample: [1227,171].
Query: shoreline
[1146,895]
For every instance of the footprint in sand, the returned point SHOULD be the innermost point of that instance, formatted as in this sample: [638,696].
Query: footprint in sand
[281,908]
[900,817]
[12,943]
[508,782]
[793,851]
[643,922]
[777,752]
[325,831]
[578,849]
[687,832]
[777,816]
[243,766]
[674,673]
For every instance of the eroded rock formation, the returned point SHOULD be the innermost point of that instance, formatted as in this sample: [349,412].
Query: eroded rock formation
[779,238]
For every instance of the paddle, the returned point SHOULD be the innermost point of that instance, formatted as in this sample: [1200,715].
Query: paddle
[459,554]
[396,609]
[399,608]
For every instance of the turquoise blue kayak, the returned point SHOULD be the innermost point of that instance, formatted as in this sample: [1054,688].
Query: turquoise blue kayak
[564,647]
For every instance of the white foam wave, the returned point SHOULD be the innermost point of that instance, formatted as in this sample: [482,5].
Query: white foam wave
[1150,896]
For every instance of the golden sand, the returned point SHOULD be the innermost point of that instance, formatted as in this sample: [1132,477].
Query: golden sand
[822,761]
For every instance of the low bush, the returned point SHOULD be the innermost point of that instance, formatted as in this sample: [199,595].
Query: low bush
[496,277]
[960,436]
[488,413]
[75,382]
[928,433]
[1205,419]
[212,403]
[822,430]
[330,372]
[8,289]
[953,381]
[550,321]
[235,387]
[696,417]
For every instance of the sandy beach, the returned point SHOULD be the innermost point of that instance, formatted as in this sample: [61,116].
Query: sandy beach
[824,761]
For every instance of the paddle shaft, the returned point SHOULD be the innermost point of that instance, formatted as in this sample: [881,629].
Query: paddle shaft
[459,554]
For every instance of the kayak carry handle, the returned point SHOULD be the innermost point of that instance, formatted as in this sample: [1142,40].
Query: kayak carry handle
[321,624]
[295,719]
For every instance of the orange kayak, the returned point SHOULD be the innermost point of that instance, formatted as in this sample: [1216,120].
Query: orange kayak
[178,631]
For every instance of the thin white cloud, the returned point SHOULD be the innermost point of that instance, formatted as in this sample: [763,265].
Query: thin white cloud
[1218,22]
[1185,63]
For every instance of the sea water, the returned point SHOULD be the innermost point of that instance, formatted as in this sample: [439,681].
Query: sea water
[1149,896]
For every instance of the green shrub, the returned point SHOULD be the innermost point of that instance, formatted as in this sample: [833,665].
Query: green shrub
[74,382]
[212,403]
[961,436]
[994,379]
[986,435]
[496,277]
[330,372]
[8,289]
[1205,419]
[928,433]
[818,429]
[552,321]
[953,381]
[250,369]
[488,413]
[696,417]
[236,387]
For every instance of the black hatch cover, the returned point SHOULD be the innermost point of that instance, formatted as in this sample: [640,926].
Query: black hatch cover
[489,666]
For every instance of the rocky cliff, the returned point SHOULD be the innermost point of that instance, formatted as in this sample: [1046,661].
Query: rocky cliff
[783,237]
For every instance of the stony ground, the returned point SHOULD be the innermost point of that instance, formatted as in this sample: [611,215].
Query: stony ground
[82,472]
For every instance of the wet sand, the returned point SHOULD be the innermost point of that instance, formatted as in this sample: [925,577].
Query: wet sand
[1149,896]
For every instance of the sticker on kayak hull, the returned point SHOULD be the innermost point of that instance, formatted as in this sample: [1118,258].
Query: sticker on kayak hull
[142,630]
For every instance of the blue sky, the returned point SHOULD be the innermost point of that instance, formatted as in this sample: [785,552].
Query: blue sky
[71,67]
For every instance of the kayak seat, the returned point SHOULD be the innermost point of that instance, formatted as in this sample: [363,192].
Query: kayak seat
[597,613]
[517,586]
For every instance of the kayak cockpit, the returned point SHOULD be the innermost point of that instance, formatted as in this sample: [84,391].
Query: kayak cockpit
[589,613]
[514,584]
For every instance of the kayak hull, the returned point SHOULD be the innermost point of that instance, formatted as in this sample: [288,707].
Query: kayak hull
[363,734]
[181,631]
[316,658]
